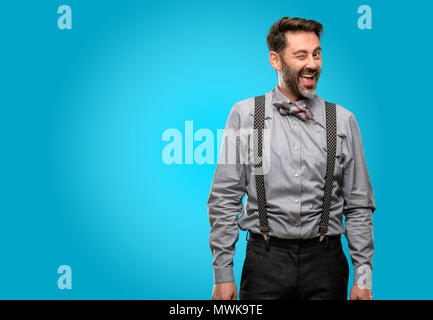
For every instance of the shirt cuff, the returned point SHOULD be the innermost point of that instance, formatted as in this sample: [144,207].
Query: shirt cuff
[362,277]
[223,275]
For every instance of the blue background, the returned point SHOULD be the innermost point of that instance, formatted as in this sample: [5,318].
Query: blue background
[82,116]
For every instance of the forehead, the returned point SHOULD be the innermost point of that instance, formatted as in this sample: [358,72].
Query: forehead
[301,40]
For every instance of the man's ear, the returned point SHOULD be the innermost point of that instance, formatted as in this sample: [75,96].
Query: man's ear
[275,60]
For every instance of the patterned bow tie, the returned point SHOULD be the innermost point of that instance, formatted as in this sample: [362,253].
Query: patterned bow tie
[289,108]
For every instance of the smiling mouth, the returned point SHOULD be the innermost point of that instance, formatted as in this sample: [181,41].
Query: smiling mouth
[307,79]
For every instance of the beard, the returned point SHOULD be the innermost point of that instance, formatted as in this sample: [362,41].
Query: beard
[291,79]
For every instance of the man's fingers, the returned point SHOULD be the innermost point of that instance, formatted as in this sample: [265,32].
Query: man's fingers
[360,293]
[225,291]
[224,296]
[234,295]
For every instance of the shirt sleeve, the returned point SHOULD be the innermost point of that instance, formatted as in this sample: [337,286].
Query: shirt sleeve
[225,200]
[358,205]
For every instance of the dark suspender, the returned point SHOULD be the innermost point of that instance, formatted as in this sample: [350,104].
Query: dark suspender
[259,124]
[331,141]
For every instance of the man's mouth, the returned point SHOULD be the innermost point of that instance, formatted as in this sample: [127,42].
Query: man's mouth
[307,79]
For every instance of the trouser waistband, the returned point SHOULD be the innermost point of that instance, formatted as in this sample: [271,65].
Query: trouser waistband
[279,242]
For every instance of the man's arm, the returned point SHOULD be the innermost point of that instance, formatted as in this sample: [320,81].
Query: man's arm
[225,201]
[358,208]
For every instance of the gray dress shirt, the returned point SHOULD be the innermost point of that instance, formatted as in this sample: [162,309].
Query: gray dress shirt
[294,181]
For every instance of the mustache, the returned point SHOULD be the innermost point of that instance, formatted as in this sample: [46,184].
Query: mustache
[309,71]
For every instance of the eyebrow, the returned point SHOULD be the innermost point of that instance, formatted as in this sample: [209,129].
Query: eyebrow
[305,51]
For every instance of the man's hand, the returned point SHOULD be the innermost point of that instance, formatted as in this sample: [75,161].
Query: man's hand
[360,293]
[224,291]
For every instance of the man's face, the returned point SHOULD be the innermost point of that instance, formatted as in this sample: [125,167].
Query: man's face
[301,63]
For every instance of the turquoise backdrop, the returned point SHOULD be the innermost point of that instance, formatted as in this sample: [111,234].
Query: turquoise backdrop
[83,112]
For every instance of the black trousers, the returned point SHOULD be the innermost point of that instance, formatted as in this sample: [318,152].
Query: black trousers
[294,269]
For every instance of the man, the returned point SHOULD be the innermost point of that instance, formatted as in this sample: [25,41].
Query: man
[291,258]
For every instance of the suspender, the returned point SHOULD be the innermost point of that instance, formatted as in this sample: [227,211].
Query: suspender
[331,141]
[259,124]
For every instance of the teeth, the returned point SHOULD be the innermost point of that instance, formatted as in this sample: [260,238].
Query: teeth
[307,75]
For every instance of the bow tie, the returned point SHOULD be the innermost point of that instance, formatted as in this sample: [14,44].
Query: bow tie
[289,108]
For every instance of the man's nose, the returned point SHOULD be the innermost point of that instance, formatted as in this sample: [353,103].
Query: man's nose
[311,63]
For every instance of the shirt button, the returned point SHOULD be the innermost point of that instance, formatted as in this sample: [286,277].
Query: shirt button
[296,174]
[297,224]
[296,200]
[296,148]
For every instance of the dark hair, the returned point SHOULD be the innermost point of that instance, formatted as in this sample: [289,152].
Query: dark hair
[276,38]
